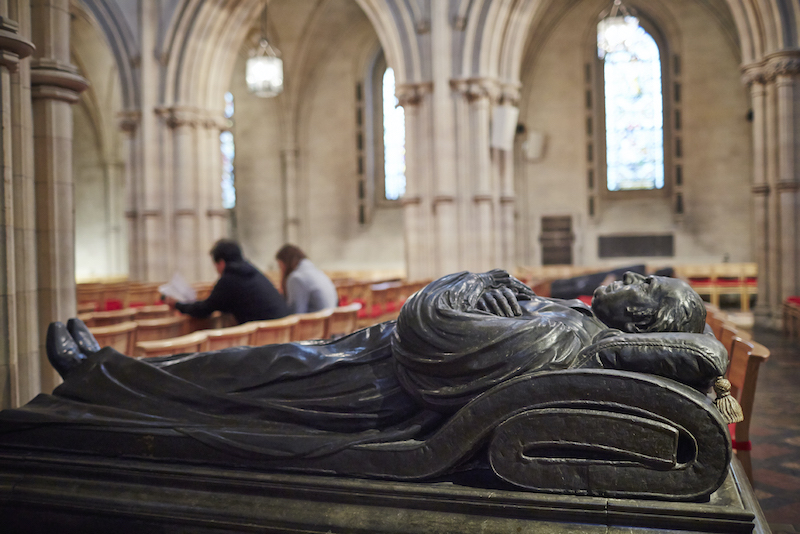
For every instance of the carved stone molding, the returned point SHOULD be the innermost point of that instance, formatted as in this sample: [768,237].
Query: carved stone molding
[784,63]
[444,199]
[483,197]
[412,93]
[753,73]
[12,46]
[177,116]
[409,200]
[53,80]
[480,88]
[760,189]
[219,213]
[507,199]
[129,120]
[787,186]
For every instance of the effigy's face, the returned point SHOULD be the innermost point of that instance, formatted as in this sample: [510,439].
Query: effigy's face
[630,300]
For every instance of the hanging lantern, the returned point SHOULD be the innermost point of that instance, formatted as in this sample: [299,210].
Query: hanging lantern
[615,28]
[264,71]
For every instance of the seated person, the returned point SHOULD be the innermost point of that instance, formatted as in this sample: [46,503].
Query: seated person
[306,288]
[242,290]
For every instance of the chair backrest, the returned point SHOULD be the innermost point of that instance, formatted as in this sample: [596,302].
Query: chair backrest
[116,294]
[163,328]
[727,333]
[233,336]
[343,320]
[311,325]
[143,294]
[274,331]
[153,311]
[120,336]
[194,342]
[746,357]
[86,307]
[90,292]
[105,318]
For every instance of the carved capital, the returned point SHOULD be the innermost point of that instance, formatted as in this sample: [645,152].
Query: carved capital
[411,94]
[129,120]
[177,116]
[760,189]
[753,73]
[479,88]
[12,46]
[785,63]
[510,93]
[53,80]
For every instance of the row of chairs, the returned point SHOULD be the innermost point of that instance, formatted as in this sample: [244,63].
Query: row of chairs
[118,295]
[139,339]
[791,318]
[745,356]
[380,301]
[717,280]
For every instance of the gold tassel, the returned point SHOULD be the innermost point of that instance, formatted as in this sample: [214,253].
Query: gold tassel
[725,403]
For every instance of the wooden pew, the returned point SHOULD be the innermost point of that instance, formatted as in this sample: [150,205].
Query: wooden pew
[274,331]
[194,342]
[120,336]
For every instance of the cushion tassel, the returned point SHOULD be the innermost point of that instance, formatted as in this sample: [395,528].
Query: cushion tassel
[725,403]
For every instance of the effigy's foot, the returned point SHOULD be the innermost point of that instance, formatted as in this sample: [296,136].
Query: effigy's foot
[62,350]
[82,336]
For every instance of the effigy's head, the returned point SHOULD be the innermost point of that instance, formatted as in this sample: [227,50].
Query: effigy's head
[639,304]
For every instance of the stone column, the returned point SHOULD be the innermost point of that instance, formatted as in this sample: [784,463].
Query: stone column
[506,222]
[754,78]
[785,68]
[775,94]
[214,218]
[19,343]
[129,124]
[55,86]
[417,205]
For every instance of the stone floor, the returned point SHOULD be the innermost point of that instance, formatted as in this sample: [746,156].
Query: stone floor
[775,433]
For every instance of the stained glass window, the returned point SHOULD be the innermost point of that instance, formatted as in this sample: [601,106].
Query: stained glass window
[394,141]
[228,151]
[633,106]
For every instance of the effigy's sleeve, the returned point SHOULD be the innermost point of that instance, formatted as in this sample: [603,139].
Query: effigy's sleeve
[447,351]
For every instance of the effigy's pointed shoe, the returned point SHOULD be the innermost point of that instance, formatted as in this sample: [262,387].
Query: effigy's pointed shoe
[82,336]
[62,351]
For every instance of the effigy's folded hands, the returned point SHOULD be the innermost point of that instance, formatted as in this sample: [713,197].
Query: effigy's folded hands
[501,302]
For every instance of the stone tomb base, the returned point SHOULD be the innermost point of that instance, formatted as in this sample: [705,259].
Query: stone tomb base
[70,493]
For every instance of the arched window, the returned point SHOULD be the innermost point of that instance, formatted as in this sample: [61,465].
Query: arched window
[634,115]
[394,141]
[228,152]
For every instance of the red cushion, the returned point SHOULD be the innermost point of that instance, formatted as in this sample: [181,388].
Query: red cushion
[113,304]
[586,299]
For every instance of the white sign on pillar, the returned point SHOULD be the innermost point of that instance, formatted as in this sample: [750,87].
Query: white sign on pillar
[504,126]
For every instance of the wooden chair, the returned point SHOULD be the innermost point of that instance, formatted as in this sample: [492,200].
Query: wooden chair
[701,278]
[86,307]
[212,322]
[746,358]
[106,318]
[120,336]
[194,342]
[274,331]
[144,294]
[164,328]
[115,295]
[343,320]
[311,325]
[90,292]
[153,311]
[234,336]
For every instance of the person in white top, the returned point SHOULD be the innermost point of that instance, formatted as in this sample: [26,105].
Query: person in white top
[305,288]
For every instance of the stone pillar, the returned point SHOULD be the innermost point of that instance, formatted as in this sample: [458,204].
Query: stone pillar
[213,222]
[292,223]
[129,124]
[506,219]
[418,221]
[754,78]
[775,93]
[785,68]
[19,337]
[55,86]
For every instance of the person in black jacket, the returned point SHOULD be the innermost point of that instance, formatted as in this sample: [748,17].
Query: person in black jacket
[242,290]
